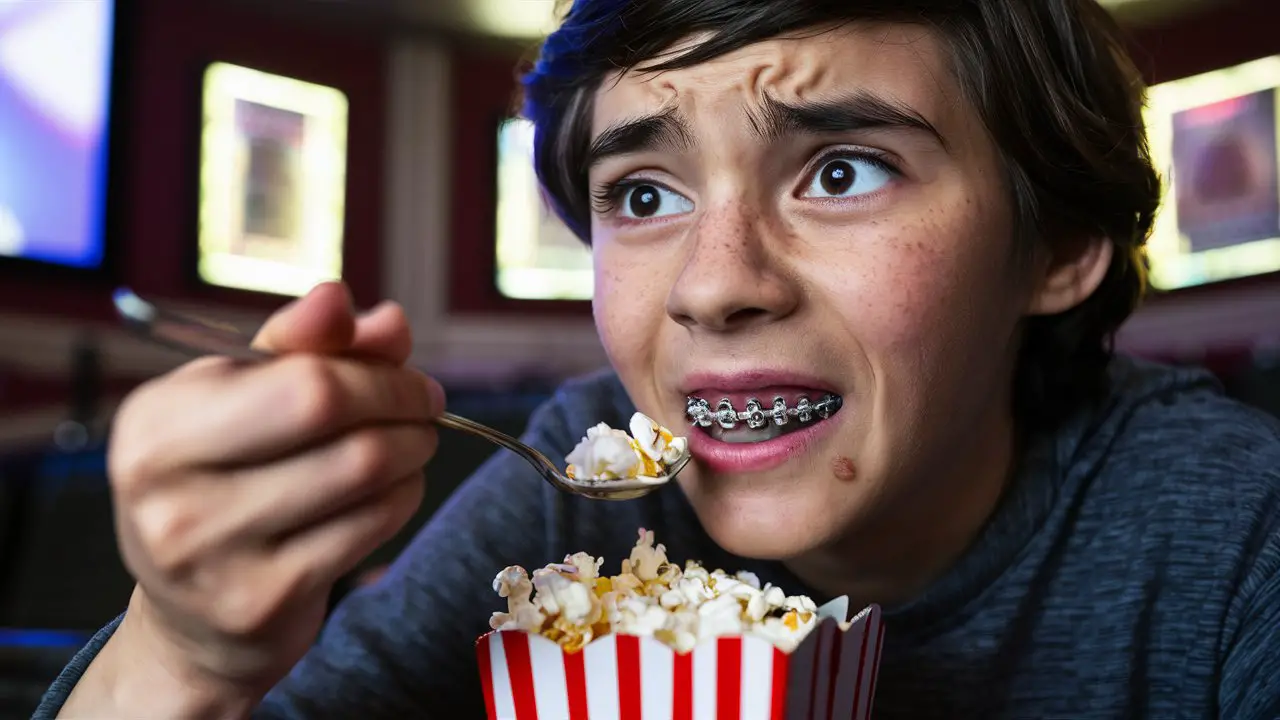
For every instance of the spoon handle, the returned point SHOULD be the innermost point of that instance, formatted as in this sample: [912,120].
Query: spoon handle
[198,336]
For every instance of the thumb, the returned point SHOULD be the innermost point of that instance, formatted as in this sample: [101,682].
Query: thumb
[323,321]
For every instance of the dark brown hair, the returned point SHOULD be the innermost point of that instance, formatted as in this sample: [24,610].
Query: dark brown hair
[1051,79]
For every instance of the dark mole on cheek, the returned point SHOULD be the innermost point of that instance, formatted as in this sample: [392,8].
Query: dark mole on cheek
[844,469]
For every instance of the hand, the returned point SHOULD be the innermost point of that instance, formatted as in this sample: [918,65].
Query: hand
[244,491]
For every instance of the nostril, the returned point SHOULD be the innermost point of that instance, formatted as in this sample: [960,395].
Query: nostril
[745,316]
[728,321]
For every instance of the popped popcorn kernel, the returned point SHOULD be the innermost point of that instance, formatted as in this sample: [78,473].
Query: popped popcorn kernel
[572,603]
[608,454]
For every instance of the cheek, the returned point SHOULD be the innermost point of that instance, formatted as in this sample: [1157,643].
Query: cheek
[929,285]
[901,303]
[629,305]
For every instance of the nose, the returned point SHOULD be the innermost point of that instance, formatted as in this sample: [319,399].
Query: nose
[735,274]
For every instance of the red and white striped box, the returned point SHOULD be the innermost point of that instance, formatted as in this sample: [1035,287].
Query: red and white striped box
[831,675]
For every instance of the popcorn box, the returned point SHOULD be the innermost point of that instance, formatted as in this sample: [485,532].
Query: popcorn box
[831,674]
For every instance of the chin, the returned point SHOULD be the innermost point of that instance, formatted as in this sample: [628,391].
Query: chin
[763,520]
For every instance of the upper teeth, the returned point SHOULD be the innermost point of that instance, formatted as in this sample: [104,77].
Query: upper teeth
[756,416]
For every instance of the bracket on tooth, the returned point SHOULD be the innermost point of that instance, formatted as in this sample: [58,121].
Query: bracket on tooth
[779,413]
[725,414]
[699,411]
[756,416]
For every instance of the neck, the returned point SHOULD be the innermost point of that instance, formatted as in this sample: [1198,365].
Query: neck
[909,543]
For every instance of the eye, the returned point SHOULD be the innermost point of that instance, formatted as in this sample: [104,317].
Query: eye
[849,176]
[643,201]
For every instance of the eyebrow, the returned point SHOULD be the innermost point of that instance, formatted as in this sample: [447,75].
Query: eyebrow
[668,130]
[861,111]
[663,130]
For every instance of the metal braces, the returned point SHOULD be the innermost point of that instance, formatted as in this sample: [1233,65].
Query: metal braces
[756,416]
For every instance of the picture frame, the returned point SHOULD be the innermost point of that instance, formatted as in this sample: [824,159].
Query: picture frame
[273,171]
[1215,140]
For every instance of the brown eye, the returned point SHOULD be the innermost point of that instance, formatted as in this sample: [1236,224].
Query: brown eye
[837,176]
[643,201]
[849,176]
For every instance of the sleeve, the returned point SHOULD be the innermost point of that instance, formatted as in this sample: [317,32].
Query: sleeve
[1250,684]
[56,696]
[405,647]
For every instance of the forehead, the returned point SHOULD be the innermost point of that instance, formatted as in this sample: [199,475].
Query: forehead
[904,63]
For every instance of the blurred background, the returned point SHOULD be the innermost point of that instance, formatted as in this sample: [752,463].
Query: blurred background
[223,156]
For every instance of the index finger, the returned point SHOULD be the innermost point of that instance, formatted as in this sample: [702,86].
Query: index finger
[323,321]
[383,334]
[281,407]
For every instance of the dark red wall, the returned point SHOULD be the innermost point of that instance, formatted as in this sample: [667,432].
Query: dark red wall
[1236,32]
[169,44]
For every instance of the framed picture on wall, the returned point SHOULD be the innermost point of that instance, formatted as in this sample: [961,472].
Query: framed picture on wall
[1215,139]
[509,254]
[537,257]
[272,181]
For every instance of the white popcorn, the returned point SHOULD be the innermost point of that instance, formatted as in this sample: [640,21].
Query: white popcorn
[558,595]
[637,617]
[571,603]
[609,454]
[676,449]
[651,437]
[605,453]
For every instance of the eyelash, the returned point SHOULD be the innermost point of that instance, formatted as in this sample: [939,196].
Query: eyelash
[606,198]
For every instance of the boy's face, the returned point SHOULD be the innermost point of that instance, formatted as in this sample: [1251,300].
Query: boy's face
[812,215]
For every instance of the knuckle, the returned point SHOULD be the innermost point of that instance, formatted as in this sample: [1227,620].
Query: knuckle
[367,455]
[409,393]
[164,529]
[131,459]
[129,467]
[317,400]
[143,438]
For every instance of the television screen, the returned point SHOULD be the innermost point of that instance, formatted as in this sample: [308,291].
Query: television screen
[1214,141]
[538,257]
[273,178]
[55,88]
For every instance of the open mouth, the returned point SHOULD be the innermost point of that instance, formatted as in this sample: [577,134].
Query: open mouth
[748,418]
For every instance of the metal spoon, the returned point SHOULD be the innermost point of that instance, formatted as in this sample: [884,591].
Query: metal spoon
[197,336]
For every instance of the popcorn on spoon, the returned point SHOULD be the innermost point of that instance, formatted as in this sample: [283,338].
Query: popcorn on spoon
[648,455]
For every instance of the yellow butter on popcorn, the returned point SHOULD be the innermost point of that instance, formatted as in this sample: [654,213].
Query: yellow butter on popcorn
[609,454]
[571,603]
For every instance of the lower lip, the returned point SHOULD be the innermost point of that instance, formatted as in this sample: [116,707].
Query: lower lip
[723,457]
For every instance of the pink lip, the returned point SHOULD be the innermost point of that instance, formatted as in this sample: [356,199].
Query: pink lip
[749,380]
[723,457]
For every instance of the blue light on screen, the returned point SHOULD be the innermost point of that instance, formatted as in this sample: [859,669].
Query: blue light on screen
[55,82]
[42,638]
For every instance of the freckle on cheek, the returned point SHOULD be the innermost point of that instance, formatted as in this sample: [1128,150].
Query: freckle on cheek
[844,469]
